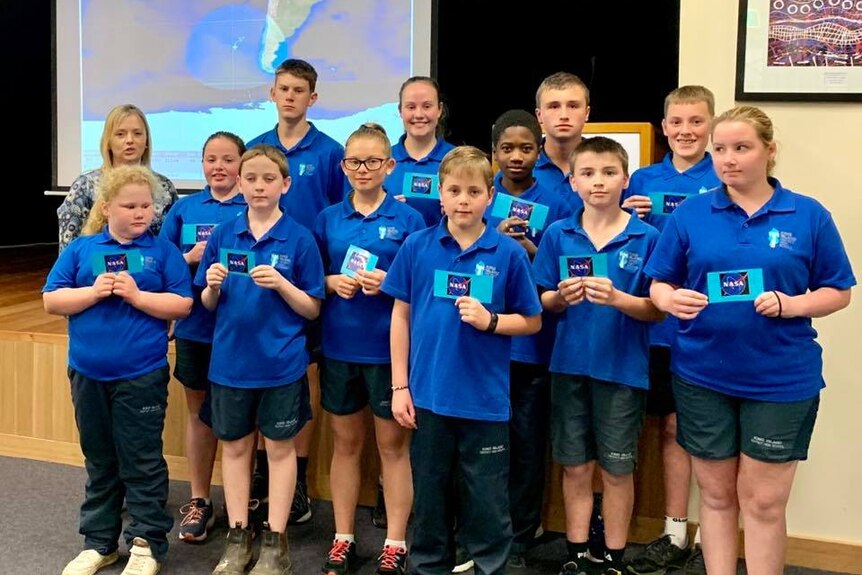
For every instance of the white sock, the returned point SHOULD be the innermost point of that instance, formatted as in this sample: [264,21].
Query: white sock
[697,536]
[677,528]
[349,537]
[396,544]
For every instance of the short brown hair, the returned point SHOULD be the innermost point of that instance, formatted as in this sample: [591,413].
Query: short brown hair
[600,145]
[561,81]
[690,94]
[267,151]
[300,69]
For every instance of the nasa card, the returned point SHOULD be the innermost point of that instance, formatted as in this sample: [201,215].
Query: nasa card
[734,285]
[506,206]
[356,259]
[663,204]
[194,233]
[453,285]
[115,262]
[578,266]
[237,261]
[418,185]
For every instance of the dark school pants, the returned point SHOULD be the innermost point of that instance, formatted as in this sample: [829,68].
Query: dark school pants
[477,454]
[530,395]
[120,424]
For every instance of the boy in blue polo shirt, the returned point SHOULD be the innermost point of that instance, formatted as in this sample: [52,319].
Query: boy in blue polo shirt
[317,182]
[263,275]
[461,291]
[590,267]
[685,171]
[119,285]
[522,209]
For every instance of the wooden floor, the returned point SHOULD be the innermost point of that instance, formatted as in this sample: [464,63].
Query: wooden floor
[22,275]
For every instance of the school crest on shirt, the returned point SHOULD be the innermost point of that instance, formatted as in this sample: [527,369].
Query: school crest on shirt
[779,239]
[280,261]
[483,269]
[149,263]
[388,233]
[629,261]
[307,169]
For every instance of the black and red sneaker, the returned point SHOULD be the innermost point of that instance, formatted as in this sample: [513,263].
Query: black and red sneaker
[341,558]
[392,561]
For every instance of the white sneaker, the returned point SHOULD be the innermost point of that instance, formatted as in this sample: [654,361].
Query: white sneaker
[89,561]
[141,561]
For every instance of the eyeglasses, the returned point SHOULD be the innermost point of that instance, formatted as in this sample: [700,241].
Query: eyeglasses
[372,164]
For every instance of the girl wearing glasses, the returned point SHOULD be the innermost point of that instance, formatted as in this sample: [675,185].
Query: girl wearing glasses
[421,149]
[358,240]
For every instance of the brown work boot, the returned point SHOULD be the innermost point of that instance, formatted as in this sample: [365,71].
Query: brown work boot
[237,552]
[274,559]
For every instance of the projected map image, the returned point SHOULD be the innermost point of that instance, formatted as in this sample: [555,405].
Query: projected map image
[198,66]
[815,33]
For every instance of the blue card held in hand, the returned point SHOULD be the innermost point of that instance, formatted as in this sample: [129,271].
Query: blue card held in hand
[734,285]
[115,262]
[194,233]
[356,259]
[417,185]
[237,261]
[578,266]
[453,285]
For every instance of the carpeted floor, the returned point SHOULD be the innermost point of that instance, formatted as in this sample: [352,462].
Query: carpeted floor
[39,529]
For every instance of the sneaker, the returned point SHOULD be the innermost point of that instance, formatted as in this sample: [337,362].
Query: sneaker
[89,561]
[300,509]
[393,561]
[596,540]
[611,571]
[141,560]
[378,516]
[274,557]
[658,557]
[198,519]
[572,568]
[341,558]
[516,565]
[237,552]
[539,532]
[463,561]
[695,564]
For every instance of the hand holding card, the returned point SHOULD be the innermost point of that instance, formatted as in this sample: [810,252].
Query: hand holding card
[595,265]
[370,280]
[237,261]
[216,275]
[357,259]
[126,287]
[571,290]
[599,290]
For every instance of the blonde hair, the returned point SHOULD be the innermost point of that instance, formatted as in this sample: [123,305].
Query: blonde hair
[266,151]
[561,81]
[114,118]
[757,119]
[469,160]
[372,131]
[691,94]
[108,188]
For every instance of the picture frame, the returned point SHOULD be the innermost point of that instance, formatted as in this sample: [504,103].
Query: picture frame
[784,51]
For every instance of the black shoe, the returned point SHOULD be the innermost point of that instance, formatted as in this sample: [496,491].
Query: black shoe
[695,564]
[596,541]
[378,516]
[300,509]
[658,557]
[198,519]
[463,561]
[340,559]
[392,561]
[572,568]
[516,565]
[258,502]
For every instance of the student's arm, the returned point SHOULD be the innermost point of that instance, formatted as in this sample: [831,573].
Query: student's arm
[818,303]
[164,305]
[215,276]
[678,302]
[399,343]
[601,291]
[69,301]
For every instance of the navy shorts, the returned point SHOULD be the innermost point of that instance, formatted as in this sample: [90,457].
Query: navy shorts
[595,420]
[712,425]
[192,365]
[279,412]
[346,388]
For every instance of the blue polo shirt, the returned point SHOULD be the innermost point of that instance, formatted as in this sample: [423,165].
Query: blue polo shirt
[317,180]
[113,339]
[191,210]
[549,176]
[357,330]
[405,164]
[729,347]
[259,341]
[455,369]
[663,177]
[596,340]
[535,348]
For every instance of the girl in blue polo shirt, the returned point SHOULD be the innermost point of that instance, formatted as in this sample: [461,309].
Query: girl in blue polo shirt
[119,286]
[420,150]
[261,273]
[745,267]
[188,226]
[358,240]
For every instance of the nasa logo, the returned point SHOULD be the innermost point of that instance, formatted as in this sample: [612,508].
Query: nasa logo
[580,267]
[671,202]
[734,283]
[458,286]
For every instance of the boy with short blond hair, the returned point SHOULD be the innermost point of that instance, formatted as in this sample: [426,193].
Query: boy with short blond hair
[461,290]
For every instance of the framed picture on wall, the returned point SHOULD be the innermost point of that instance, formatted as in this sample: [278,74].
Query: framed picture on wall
[799,50]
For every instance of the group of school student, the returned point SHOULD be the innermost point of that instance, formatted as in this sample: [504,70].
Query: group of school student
[482,317]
